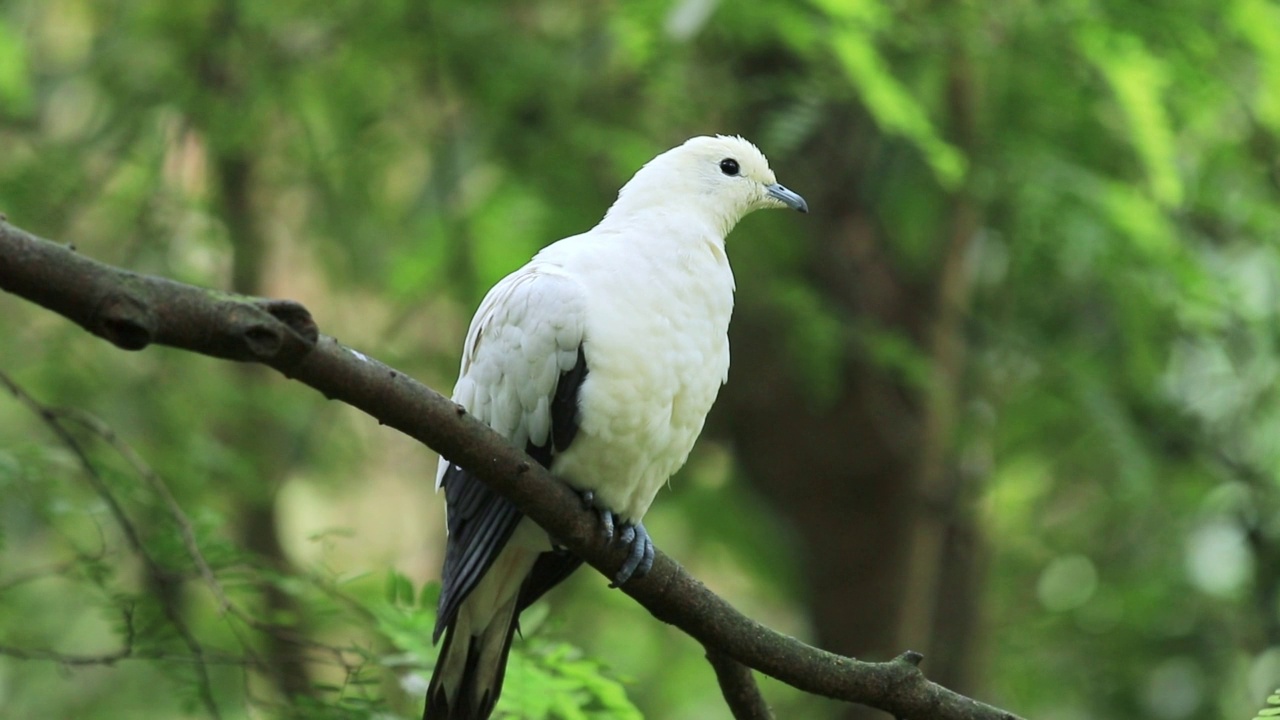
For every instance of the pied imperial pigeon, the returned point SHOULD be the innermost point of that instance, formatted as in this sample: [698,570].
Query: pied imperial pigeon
[601,358]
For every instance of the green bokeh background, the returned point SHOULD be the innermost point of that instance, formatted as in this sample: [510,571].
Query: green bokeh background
[1040,274]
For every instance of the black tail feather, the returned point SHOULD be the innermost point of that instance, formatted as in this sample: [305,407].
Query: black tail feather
[476,696]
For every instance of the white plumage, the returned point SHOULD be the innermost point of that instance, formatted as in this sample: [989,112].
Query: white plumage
[601,357]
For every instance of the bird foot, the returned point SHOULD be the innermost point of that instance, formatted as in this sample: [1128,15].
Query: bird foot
[633,536]
[640,556]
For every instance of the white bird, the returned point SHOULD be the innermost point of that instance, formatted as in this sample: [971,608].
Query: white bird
[601,358]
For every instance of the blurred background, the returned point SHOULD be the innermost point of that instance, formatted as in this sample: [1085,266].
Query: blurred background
[1007,396]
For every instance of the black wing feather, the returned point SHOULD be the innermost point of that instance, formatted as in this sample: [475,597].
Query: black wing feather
[564,406]
[480,521]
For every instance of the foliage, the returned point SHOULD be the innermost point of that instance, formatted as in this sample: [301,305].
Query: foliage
[1272,709]
[362,639]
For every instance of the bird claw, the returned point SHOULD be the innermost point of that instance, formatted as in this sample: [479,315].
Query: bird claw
[605,514]
[633,536]
[606,523]
[640,558]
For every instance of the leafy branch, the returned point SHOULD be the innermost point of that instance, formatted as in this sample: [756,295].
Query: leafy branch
[156,571]
[133,311]
[200,657]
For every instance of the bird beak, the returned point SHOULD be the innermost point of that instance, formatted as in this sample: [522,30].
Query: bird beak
[786,197]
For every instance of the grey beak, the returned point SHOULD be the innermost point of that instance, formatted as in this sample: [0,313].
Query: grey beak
[786,197]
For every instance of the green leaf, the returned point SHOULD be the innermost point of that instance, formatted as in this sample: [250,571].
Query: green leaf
[1256,21]
[892,104]
[399,589]
[430,596]
[15,86]
[552,680]
[1138,79]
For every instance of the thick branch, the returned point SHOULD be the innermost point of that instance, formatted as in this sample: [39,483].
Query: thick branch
[133,311]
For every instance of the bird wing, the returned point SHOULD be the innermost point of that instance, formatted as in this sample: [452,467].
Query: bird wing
[522,367]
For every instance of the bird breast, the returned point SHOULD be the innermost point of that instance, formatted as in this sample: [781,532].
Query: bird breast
[657,352]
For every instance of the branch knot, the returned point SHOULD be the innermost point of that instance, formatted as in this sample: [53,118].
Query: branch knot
[125,321]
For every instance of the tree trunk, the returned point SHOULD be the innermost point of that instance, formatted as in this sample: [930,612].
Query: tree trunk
[265,439]
[869,478]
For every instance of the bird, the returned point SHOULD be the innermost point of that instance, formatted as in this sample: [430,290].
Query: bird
[601,358]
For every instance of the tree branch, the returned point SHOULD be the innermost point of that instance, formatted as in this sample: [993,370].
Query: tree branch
[738,685]
[133,311]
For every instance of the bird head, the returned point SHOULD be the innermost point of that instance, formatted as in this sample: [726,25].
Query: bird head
[723,177]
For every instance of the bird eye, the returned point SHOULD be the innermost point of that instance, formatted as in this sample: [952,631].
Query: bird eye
[729,166]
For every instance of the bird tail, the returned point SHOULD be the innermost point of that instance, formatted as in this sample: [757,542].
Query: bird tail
[468,675]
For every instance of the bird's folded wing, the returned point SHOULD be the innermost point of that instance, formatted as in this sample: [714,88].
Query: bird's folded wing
[521,369]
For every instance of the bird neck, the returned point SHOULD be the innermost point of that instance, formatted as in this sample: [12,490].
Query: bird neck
[670,216]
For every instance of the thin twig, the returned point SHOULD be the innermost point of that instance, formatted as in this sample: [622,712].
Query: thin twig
[187,531]
[158,486]
[131,534]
